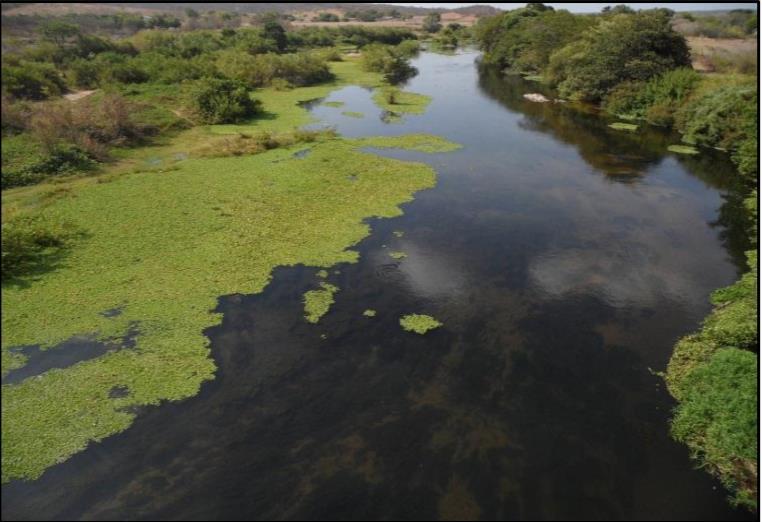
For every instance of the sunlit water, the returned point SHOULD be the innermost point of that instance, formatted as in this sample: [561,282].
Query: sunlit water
[564,259]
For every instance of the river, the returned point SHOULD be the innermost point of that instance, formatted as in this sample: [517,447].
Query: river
[564,258]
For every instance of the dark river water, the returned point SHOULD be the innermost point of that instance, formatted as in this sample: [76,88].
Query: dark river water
[563,257]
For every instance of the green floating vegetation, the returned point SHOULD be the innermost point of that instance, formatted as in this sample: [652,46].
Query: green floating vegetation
[419,324]
[397,255]
[401,102]
[369,313]
[322,273]
[163,247]
[334,103]
[353,114]
[683,149]
[318,302]
[398,233]
[417,142]
[623,126]
[533,78]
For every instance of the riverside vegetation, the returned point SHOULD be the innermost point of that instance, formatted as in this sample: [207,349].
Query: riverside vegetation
[637,67]
[149,195]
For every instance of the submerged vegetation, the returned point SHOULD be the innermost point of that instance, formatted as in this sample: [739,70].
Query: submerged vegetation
[419,323]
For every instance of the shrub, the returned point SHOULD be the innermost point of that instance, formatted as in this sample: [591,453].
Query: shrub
[84,74]
[15,116]
[31,244]
[655,100]
[387,60]
[25,162]
[298,69]
[624,47]
[724,117]
[524,39]
[90,125]
[222,101]
[32,81]
[432,23]
[263,141]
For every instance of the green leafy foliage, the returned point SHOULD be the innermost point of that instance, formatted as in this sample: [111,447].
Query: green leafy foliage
[717,419]
[725,117]
[222,101]
[432,23]
[390,61]
[523,39]
[655,100]
[32,80]
[31,244]
[298,69]
[624,47]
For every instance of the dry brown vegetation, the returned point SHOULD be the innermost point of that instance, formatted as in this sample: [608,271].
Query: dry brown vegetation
[724,54]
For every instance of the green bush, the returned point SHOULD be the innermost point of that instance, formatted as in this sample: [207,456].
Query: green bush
[523,39]
[25,162]
[84,74]
[655,100]
[15,116]
[298,69]
[388,60]
[32,81]
[724,117]
[222,101]
[625,47]
[31,244]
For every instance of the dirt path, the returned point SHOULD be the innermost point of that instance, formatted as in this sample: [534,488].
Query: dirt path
[74,96]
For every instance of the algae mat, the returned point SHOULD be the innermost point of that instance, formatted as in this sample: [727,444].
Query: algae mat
[162,247]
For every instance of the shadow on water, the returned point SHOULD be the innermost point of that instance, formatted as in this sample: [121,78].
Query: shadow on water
[559,290]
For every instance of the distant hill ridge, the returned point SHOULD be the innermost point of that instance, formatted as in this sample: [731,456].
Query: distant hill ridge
[252,7]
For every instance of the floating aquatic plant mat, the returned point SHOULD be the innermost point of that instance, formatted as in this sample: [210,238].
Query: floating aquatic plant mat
[163,247]
[419,323]
[683,149]
[623,126]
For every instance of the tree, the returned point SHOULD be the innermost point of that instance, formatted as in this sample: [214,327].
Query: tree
[624,47]
[222,101]
[58,32]
[432,23]
[274,32]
